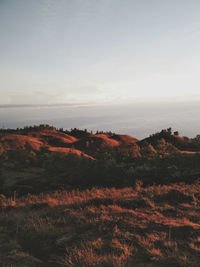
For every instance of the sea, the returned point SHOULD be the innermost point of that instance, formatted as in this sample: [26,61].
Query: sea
[136,119]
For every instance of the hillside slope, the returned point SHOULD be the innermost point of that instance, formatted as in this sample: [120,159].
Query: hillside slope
[89,145]
[75,198]
[153,226]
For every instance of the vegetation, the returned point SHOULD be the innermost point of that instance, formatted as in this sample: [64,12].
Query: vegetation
[152,226]
[74,198]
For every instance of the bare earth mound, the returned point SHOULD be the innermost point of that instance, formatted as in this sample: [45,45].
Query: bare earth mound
[53,135]
[15,141]
[69,151]
[124,139]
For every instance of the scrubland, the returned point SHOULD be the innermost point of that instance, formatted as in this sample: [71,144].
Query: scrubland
[152,226]
[137,205]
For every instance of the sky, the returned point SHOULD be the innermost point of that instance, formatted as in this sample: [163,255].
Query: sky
[99,52]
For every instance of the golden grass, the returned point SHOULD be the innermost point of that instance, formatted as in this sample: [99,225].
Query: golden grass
[108,226]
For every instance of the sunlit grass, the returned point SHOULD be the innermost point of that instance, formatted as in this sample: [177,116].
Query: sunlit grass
[152,226]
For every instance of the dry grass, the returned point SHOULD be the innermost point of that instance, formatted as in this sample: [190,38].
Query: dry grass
[154,226]
[67,151]
[16,141]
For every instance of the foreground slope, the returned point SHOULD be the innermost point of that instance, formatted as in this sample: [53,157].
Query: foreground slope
[74,198]
[153,226]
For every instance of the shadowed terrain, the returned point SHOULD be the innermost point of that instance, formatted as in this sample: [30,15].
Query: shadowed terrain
[153,226]
[74,198]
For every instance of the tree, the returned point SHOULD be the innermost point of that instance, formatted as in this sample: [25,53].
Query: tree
[169,130]
[197,139]
[176,133]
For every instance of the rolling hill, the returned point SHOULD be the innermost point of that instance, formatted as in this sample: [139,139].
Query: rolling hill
[76,198]
[86,144]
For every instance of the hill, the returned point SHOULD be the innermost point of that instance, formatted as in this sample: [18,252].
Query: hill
[162,143]
[76,198]
[181,143]
[19,142]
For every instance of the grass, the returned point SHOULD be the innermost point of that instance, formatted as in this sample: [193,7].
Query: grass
[13,176]
[152,226]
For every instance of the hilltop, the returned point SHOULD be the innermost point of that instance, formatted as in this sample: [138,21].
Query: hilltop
[42,158]
[86,144]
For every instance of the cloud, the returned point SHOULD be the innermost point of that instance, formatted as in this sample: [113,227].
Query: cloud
[41,105]
[68,94]
[83,89]
[27,88]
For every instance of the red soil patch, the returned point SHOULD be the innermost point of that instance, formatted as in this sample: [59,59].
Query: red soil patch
[188,152]
[109,141]
[103,135]
[95,142]
[45,134]
[181,139]
[67,150]
[124,139]
[15,141]
[104,141]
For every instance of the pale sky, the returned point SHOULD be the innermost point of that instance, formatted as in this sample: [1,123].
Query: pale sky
[99,51]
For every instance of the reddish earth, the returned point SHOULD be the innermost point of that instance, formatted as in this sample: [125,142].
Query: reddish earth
[141,226]
[61,142]
[103,135]
[69,150]
[45,134]
[88,143]
[122,138]
[15,141]
[189,152]
[100,141]
[182,139]
[95,142]
[108,140]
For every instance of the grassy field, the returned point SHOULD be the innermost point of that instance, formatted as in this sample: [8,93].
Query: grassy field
[152,226]
[115,201]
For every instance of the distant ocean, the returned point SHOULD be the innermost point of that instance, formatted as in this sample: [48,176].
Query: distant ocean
[138,120]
